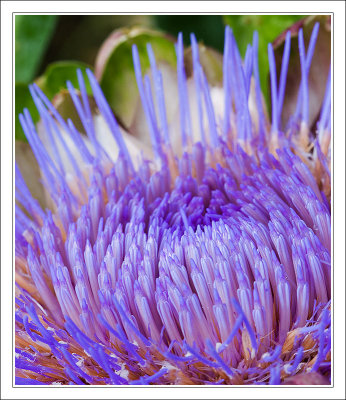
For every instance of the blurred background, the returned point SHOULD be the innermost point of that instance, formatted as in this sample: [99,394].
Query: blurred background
[42,39]
[49,48]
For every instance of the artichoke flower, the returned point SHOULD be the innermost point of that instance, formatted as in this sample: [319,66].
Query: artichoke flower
[199,256]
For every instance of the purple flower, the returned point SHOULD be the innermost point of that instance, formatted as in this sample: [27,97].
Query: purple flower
[207,262]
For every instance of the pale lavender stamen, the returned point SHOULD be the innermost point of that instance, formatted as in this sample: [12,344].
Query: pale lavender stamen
[87,124]
[325,113]
[198,84]
[148,107]
[49,121]
[184,107]
[158,84]
[209,108]
[259,104]
[227,82]
[246,131]
[88,117]
[304,80]
[309,56]
[45,162]
[47,125]
[75,135]
[109,117]
[248,66]
[274,99]
[283,73]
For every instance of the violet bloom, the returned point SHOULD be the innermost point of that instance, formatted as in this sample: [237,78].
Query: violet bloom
[207,264]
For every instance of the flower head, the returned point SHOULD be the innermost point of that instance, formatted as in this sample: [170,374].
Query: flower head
[208,263]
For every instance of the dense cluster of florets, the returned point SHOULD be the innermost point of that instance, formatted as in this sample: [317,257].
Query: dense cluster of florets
[206,265]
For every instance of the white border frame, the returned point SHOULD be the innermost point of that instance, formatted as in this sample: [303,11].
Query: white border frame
[7,157]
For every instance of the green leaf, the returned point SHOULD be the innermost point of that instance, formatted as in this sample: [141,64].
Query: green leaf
[117,76]
[268,27]
[52,82]
[207,28]
[23,100]
[55,76]
[32,35]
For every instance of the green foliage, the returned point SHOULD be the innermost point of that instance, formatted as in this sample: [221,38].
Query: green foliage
[32,36]
[55,76]
[208,29]
[23,100]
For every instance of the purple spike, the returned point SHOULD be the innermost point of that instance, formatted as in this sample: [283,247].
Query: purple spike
[109,117]
[283,73]
[237,307]
[274,356]
[185,120]
[227,81]
[248,65]
[325,320]
[147,105]
[198,84]
[231,336]
[80,143]
[158,84]
[184,218]
[151,107]
[238,82]
[128,321]
[304,80]
[309,55]
[49,121]
[24,196]
[215,354]
[258,88]
[325,112]
[210,109]
[275,378]
[43,159]
[58,117]
[87,117]
[87,123]
[273,85]
[312,43]
[200,357]
[298,358]
[152,378]
[50,106]
[73,376]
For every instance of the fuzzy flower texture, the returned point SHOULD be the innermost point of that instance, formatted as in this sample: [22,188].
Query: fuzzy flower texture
[205,259]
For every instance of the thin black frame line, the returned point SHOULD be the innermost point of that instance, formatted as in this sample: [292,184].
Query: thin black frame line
[205,1]
[13,215]
[168,13]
